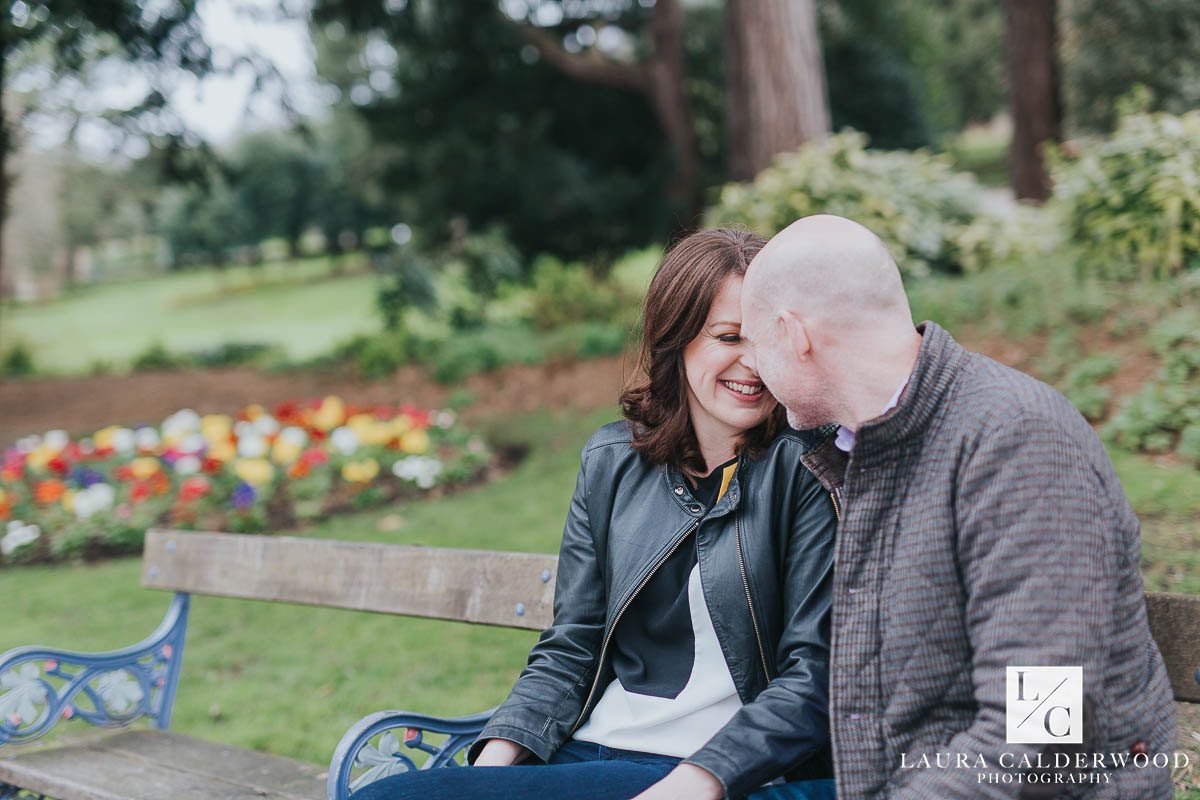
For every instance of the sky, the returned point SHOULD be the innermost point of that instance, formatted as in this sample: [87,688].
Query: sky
[217,107]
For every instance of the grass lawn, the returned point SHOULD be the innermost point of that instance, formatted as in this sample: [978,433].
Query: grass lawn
[296,305]
[291,679]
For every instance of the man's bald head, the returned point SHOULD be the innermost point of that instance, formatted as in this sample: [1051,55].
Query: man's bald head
[825,310]
[828,270]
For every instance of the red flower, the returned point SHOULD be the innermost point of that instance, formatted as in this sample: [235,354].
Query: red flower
[103,453]
[159,483]
[140,492]
[211,466]
[314,456]
[58,465]
[298,469]
[194,488]
[123,473]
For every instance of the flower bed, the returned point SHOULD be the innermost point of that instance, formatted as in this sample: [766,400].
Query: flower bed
[253,472]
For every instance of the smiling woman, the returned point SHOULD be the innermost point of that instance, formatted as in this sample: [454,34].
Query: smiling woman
[693,586]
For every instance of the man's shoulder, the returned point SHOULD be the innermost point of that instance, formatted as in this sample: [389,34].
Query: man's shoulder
[989,394]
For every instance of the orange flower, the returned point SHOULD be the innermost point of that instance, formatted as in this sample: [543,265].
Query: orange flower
[47,492]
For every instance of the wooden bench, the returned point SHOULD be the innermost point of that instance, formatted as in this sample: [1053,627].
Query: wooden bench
[511,590]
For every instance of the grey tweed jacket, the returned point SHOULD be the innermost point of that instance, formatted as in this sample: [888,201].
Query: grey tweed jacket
[983,527]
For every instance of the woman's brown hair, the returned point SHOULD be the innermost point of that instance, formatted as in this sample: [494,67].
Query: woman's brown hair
[676,308]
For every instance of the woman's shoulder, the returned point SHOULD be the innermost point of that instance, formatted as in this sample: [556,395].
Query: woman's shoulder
[614,434]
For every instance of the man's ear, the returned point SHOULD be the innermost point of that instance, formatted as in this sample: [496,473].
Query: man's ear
[796,335]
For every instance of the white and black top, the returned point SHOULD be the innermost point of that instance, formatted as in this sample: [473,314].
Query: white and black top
[672,690]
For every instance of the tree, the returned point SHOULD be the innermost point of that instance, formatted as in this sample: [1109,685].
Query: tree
[775,83]
[1031,39]
[76,33]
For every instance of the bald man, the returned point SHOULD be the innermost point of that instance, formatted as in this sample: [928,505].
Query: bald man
[982,529]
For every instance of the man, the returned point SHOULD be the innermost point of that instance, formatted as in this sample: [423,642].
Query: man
[982,527]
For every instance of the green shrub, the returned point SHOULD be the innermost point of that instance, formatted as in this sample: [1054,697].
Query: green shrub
[931,216]
[565,293]
[17,361]
[1157,418]
[230,354]
[157,357]
[1082,385]
[1133,201]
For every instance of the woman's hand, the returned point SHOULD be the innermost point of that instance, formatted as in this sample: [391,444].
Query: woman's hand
[501,753]
[685,782]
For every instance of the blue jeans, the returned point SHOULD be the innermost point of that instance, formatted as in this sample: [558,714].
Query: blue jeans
[579,771]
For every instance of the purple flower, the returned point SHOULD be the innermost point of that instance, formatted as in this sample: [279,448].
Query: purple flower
[243,496]
[83,477]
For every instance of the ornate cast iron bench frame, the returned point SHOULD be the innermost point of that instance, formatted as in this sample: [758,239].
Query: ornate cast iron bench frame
[510,590]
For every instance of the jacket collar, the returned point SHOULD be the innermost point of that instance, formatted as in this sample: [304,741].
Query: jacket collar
[938,362]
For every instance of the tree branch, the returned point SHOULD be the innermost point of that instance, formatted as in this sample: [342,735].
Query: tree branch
[589,69]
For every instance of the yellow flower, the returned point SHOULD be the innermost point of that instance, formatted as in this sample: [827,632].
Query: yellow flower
[222,450]
[330,414]
[400,425]
[39,457]
[143,468]
[254,471]
[415,442]
[216,427]
[360,471]
[285,452]
[253,412]
[68,500]
[103,438]
[369,430]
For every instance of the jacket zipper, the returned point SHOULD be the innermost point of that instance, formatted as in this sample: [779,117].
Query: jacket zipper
[837,508]
[617,619]
[737,534]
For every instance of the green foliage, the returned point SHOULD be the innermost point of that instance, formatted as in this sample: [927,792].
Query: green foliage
[928,214]
[564,293]
[1165,414]
[1082,386]
[156,357]
[17,361]
[1133,201]
[1111,46]
[407,283]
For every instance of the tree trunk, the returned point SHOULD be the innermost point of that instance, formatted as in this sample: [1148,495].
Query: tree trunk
[1033,92]
[5,142]
[774,81]
[669,99]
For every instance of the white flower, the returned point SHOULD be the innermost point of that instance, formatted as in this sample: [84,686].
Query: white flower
[181,423]
[294,436]
[344,440]
[96,497]
[187,465]
[193,443]
[18,535]
[56,439]
[123,440]
[422,470]
[252,446]
[146,438]
[27,444]
[265,425]
[445,419]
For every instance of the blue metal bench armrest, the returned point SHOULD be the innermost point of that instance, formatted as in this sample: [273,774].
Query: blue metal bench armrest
[40,686]
[391,754]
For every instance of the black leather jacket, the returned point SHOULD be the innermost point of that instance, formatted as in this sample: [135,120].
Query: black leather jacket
[765,552]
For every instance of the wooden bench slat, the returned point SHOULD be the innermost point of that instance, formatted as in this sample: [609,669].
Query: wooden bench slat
[1175,624]
[127,767]
[476,586]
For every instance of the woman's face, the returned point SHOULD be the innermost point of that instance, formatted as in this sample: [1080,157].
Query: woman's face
[725,397]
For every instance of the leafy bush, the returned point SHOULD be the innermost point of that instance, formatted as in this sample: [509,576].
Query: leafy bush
[230,354]
[1082,385]
[1133,201]
[931,216]
[17,361]
[1165,414]
[157,357]
[567,293]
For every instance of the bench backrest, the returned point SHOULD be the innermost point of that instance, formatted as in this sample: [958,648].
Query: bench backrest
[511,590]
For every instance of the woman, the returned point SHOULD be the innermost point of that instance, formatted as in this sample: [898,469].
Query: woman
[688,657]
